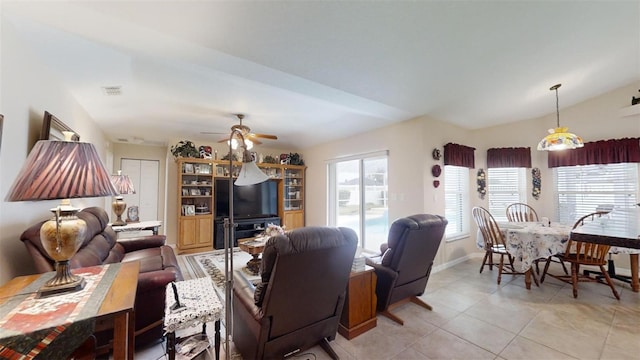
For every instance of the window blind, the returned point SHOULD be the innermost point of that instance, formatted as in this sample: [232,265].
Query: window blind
[505,186]
[456,196]
[581,189]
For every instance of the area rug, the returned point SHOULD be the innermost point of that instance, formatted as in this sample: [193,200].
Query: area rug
[211,264]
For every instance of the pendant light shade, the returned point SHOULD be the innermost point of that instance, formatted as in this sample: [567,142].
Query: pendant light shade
[559,138]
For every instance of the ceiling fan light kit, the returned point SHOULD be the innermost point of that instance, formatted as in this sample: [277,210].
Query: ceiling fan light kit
[559,138]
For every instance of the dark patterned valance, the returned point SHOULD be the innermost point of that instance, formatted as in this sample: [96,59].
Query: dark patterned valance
[459,155]
[509,157]
[613,151]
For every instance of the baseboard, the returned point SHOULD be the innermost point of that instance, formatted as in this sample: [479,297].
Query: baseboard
[455,262]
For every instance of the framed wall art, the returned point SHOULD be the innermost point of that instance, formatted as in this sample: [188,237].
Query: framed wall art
[52,128]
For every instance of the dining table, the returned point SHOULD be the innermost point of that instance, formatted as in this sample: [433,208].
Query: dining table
[530,241]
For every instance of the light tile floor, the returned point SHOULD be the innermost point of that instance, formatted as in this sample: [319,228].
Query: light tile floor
[474,318]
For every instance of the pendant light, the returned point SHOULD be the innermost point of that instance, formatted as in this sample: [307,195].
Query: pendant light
[559,138]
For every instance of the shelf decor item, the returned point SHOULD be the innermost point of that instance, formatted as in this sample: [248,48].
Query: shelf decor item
[185,149]
[62,170]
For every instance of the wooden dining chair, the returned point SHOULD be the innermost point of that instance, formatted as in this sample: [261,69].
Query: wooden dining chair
[521,212]
[494,243]
[583,253]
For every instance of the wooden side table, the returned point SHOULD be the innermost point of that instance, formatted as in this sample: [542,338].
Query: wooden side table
[255,247]
[116,309]
[359,312]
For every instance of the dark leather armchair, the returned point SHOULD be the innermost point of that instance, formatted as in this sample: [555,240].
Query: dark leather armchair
[298,303]
[404,266]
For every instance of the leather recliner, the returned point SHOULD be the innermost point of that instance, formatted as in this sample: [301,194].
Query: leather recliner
[158,267]
[405,262]
[299,300]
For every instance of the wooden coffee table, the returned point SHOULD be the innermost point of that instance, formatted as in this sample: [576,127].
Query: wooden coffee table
[255,247]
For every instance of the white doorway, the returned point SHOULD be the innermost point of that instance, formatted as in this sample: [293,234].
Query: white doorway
[145,177]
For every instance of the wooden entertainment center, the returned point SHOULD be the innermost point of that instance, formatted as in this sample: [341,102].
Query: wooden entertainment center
[198,228]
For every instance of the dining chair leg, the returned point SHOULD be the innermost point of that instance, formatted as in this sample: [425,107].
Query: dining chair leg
[535,277]
[484,261]
[500,268]
[563,267]
[608,278]
[546,268]
[513,269]
[574,279]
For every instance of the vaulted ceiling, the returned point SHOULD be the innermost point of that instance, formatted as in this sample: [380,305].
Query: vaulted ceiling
[314,71]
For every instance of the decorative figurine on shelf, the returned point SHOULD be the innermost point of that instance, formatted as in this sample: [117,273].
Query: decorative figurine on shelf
[284,159]
[295,159]
[482,183]
[270,160]
[536,182]
[635,100]
[205,152]
[185,149]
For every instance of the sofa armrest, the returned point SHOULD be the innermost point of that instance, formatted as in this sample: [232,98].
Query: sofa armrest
[142,242]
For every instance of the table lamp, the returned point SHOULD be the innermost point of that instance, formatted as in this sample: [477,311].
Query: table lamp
[249,174]
[62,170]
[124,185]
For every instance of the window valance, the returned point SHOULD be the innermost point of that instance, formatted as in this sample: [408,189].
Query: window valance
[509,157]
[626,150]
[459,155]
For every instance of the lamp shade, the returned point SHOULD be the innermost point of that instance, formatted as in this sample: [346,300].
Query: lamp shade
[250,174]
[61,170]
[123,184]
[560,139]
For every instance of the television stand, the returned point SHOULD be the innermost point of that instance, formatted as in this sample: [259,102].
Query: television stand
[245,228]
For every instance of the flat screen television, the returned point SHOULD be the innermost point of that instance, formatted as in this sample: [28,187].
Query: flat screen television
[252,201]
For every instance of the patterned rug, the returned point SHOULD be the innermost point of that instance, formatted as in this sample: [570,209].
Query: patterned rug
[211,264]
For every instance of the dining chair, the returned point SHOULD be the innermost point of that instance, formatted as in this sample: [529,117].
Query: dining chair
[494,243]
[521,212]
[583,253]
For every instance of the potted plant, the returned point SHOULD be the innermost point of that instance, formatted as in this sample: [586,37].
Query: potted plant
[185,149]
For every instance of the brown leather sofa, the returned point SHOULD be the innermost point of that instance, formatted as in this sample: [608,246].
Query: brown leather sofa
[298,303]
[158,267]
[405,263]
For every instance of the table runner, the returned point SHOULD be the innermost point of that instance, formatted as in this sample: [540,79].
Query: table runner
[53,327]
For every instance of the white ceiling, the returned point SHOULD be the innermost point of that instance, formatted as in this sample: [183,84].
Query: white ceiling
[314,71]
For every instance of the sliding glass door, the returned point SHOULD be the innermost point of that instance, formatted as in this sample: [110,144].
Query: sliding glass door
[358,197]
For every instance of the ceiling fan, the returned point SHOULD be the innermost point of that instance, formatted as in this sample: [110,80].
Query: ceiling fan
[246,133]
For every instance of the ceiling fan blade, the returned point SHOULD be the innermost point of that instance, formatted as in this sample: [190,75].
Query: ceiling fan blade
[213,133]
[265,136]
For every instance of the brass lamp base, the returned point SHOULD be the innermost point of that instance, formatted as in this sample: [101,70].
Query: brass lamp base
[119,206]
[64,281]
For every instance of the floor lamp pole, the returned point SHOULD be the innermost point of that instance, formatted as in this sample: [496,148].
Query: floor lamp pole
[249,174]
[229,242]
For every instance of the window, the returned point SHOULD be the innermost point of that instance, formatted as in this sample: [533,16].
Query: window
[456,197]
[582,189]
[505,186]
[358,200]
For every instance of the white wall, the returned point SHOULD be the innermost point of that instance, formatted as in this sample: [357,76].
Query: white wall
[28,89]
